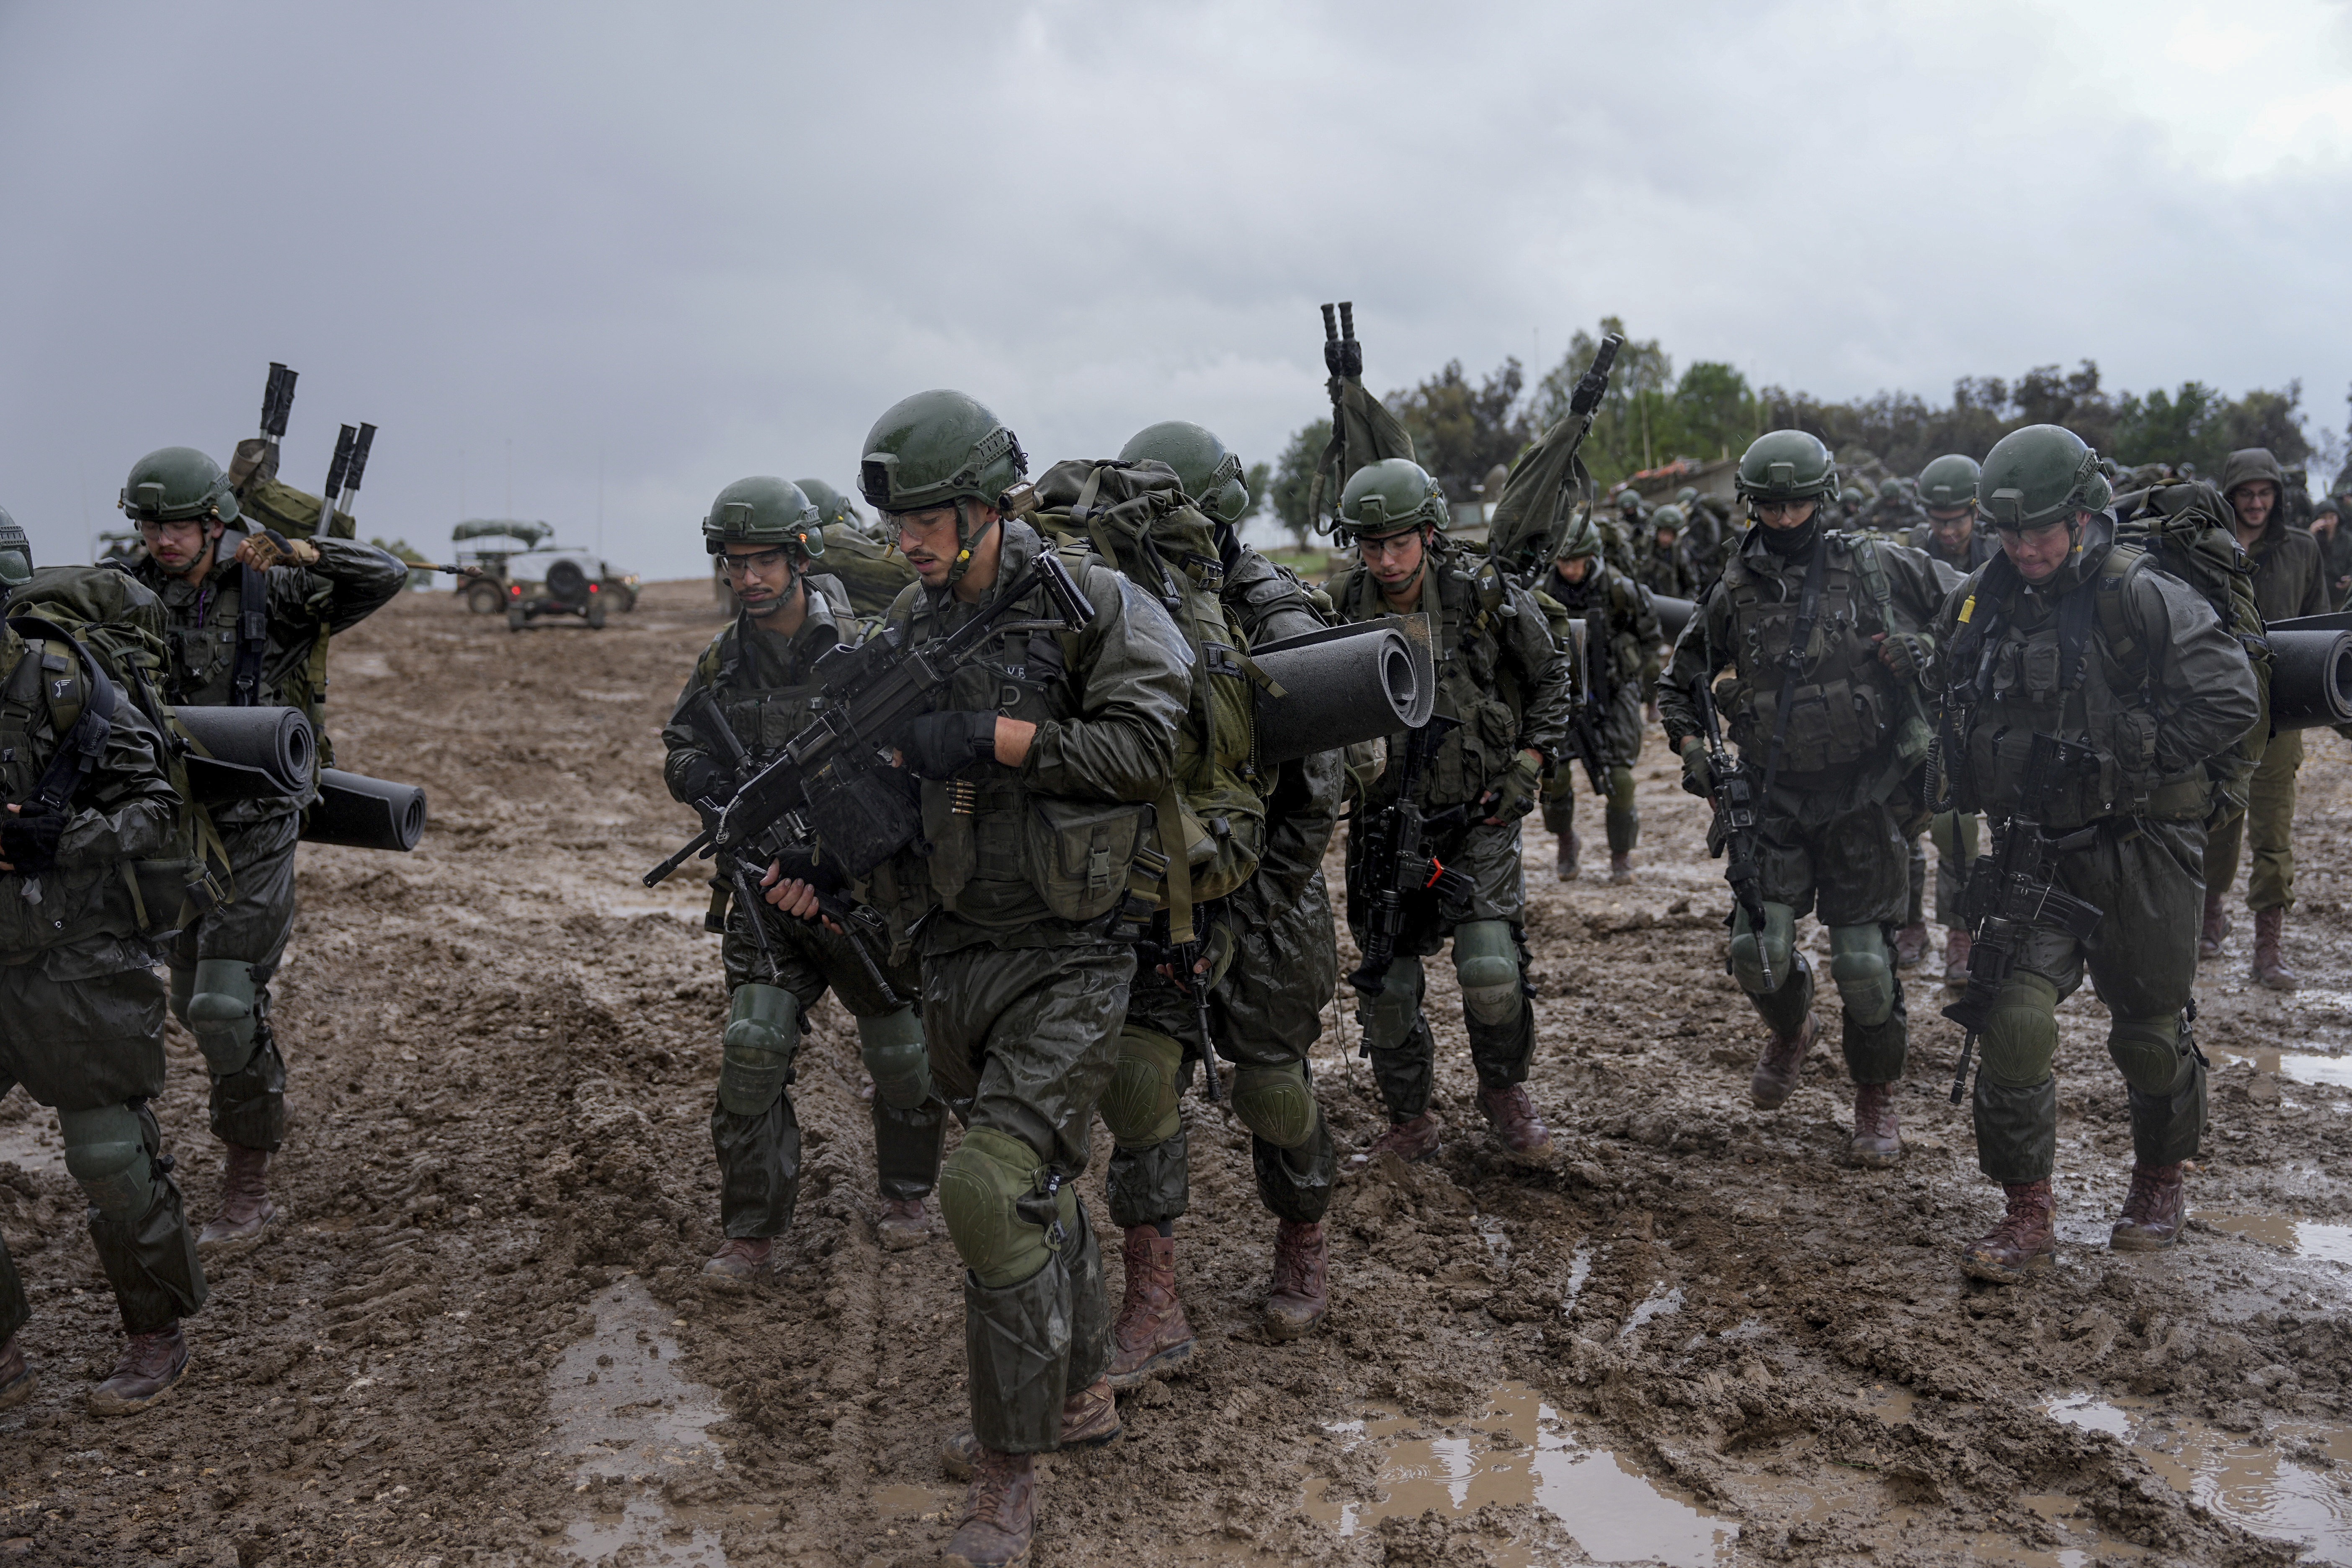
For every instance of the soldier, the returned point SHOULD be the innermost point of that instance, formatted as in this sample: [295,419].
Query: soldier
[1037,770]
[2121,740]
[1620,660]
[1953,541]
[1666,566]
[766,536]
[2289,580]
[1265,1009]
[2335,547]
[1504,684]
[1824,635]
[248,622]
[81,1026]
[863,563]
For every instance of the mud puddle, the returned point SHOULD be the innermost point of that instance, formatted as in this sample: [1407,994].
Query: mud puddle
[2306,1238]
[1520,1452]
[2297,1067]
[2288,1482]
[635,1427]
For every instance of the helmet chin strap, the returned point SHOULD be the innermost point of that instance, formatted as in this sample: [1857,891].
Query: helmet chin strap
[966,541]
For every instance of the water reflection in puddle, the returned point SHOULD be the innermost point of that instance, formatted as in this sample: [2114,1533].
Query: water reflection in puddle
[1520,1453]
[2254,1481]
[2306,1238]
[624,1414]
[2295,1067]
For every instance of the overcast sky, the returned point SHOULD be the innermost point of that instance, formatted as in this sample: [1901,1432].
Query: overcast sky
[694,242]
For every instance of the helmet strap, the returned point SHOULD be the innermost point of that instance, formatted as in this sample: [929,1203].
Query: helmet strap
[967,540]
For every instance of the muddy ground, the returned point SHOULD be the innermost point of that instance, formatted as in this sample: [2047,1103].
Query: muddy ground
[498,1191]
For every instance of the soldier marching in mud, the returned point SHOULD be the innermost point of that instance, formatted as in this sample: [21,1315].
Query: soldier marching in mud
[1616,664]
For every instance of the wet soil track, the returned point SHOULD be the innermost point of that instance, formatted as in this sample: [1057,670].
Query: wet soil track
[503,1051]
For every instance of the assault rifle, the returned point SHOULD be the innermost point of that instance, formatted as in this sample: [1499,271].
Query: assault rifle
[822,787]
[2009,894]
[1394,865]
[1583,724]
[1739,818]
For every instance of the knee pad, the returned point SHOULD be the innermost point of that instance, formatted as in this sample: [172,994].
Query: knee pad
[219,1012]
[2149,1051]
[894,1052]
[763,1029]
[1621,791]
[106,1152]
[1750,952]
[1865,973]
[992,1195]
[1275,1103]
[1141,1105]
[1389,1015]
[1487,963]
[2021,1032]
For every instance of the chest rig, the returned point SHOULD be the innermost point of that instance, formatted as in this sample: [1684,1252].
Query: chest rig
[1479,687]
[1810,694]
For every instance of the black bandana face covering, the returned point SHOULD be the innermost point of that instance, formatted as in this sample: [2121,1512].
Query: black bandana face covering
[1790,543]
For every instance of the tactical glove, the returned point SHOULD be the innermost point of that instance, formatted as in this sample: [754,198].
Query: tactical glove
[1516,794]
[940,745]
[29,842]
[1698,776]
[801,864]
[698,777]
[1905,653]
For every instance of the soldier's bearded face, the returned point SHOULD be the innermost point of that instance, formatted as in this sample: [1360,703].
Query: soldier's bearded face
[178,546]
[1573,569]
[2253,502]
[2037,552]
[928,540]
[1953,524]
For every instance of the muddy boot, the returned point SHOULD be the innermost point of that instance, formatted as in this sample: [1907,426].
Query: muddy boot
[1620,869]
[1567,847]
[1089,1420]
[1513,1120]
[1956,956]
[744,1259]
[1911,945]
[1150,1335]
[1877,1126]
[2216,926]
[150,1365]
[1775,1077]
[1302,1253]
[2153,1210]
[1412,1142]
[17,1382]
[245,1210]
[2026,1239]
[902,1224]
[1000,1513]
[2269,968]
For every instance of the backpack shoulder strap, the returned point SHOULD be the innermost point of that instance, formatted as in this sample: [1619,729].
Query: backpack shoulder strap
[2106,592]
[252,636]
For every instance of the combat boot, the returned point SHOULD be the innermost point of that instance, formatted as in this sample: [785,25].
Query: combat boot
[145,1371]
[1956,946]
[2269,968]
[902,1224]
[245,1210]
[1302,1253]
[1089,1420]
[1513,1120]
[1911,945]
[1877,1125]
[2153,1210]
[1774,1077]
[2216,926]
[1567,847]
[1620,869]
[1412,1142]
[17,1382]
[1150,1335]
[1000,1513]
[744,1258]
[2026,1239]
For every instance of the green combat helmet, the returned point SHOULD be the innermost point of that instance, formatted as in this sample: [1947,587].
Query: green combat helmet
[1949,481]
[832,506]
[1667,517]
[1629,503]
[1389,496]
[1785,465]
[177,484]
[16,554]
[1583,539]
[764,509]
[1687,498]
[2038,476]
[1209,471]
[941,448]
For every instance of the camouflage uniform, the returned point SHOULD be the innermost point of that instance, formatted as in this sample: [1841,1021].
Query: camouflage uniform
[1615,670]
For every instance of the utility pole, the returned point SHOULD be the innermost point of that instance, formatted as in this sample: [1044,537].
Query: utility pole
[600,503]
[509,476]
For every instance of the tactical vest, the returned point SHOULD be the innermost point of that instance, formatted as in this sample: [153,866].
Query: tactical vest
[1477,687]
[1845,706]
[218,656]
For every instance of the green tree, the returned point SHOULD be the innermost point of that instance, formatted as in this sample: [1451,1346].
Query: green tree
[1294,476]
[1256,479]
[1460,431]
[402,550]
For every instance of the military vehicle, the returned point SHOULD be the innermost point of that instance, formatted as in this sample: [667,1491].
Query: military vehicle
[523,567]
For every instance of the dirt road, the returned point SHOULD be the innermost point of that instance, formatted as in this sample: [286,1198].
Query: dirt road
[1693,1335]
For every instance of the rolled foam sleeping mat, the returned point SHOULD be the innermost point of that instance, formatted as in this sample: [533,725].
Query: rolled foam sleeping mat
[1674,614]
[244,754]
[2311,672]
[362,812]
[1344,684]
